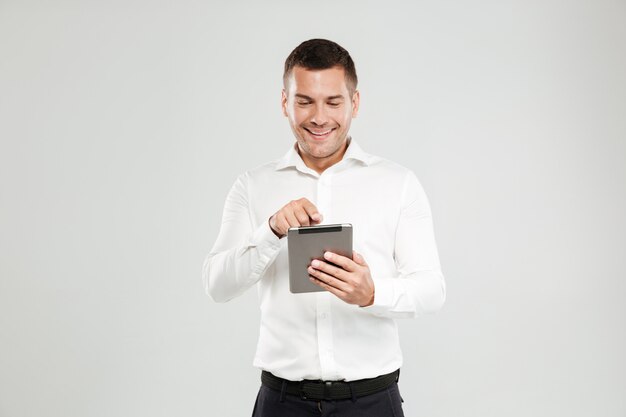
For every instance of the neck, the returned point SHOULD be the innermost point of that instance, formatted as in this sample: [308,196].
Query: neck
[319,165]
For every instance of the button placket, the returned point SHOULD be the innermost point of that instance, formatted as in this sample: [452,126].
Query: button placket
[325,336]
[324,315]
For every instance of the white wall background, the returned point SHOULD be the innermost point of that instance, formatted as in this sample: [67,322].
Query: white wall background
[123,125]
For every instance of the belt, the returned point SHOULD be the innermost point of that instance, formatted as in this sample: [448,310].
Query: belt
[329,390]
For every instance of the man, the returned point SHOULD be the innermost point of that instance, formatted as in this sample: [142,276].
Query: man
[334,352]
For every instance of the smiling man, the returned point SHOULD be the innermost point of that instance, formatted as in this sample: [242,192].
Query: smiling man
[320,105]
[334,352]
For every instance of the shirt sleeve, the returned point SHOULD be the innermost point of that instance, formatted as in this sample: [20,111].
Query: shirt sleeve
[241,254]
[419,287]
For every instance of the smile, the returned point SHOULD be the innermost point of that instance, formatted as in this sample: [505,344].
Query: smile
[319,135]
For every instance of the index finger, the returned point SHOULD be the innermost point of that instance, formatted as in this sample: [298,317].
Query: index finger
[342,261]
[311,210]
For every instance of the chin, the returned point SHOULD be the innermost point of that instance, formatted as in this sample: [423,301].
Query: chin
[321,150]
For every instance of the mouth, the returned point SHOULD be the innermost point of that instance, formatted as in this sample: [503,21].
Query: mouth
[319,134]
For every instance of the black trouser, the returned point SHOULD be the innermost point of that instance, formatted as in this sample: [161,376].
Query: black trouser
[385,403]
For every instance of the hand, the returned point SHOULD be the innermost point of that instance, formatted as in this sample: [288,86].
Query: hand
[296,213]
[350,280]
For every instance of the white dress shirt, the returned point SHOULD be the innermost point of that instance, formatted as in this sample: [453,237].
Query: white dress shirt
[317,335]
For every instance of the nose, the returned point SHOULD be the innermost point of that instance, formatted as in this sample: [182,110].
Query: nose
[319,116]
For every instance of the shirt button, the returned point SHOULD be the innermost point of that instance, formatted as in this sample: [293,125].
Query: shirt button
[323,316]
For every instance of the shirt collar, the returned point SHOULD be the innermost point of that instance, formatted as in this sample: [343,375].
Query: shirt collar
[292,157]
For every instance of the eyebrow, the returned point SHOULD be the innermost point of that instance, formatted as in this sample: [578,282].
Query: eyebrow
[336,97]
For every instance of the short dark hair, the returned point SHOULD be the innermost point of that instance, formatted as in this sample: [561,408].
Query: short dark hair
[318,54]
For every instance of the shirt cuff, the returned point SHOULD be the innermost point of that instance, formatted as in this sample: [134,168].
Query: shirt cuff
[383,297]
[267,245]
[264,235]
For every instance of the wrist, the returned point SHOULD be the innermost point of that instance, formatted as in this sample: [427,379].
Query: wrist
[269,222]
[371,300]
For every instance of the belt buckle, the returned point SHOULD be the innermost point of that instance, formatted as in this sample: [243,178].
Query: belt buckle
[327,386]
[325,392]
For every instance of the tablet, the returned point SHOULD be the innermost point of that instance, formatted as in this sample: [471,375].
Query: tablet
[310,242]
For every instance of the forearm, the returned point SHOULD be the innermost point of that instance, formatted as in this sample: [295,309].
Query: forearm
[241,254]
[409,296]
[419,286]
[228,272]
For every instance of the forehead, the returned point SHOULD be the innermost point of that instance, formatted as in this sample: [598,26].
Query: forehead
[314,83]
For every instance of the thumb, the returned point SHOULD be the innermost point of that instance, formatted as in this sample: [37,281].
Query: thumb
[356,257]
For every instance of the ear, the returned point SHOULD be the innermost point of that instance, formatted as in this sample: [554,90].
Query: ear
[356,100]
[283,102]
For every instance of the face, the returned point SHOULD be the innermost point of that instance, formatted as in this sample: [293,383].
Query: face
[319,107]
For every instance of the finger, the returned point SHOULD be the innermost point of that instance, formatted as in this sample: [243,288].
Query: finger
[311,210]
[282,225]
[328,279]
[291,219]
[344,262]
[342,295]
[358,258]
[329,269]
[302,216]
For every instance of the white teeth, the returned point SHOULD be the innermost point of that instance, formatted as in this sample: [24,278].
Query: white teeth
[322,133]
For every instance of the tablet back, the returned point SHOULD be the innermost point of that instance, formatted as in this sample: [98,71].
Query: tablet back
[307,243]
